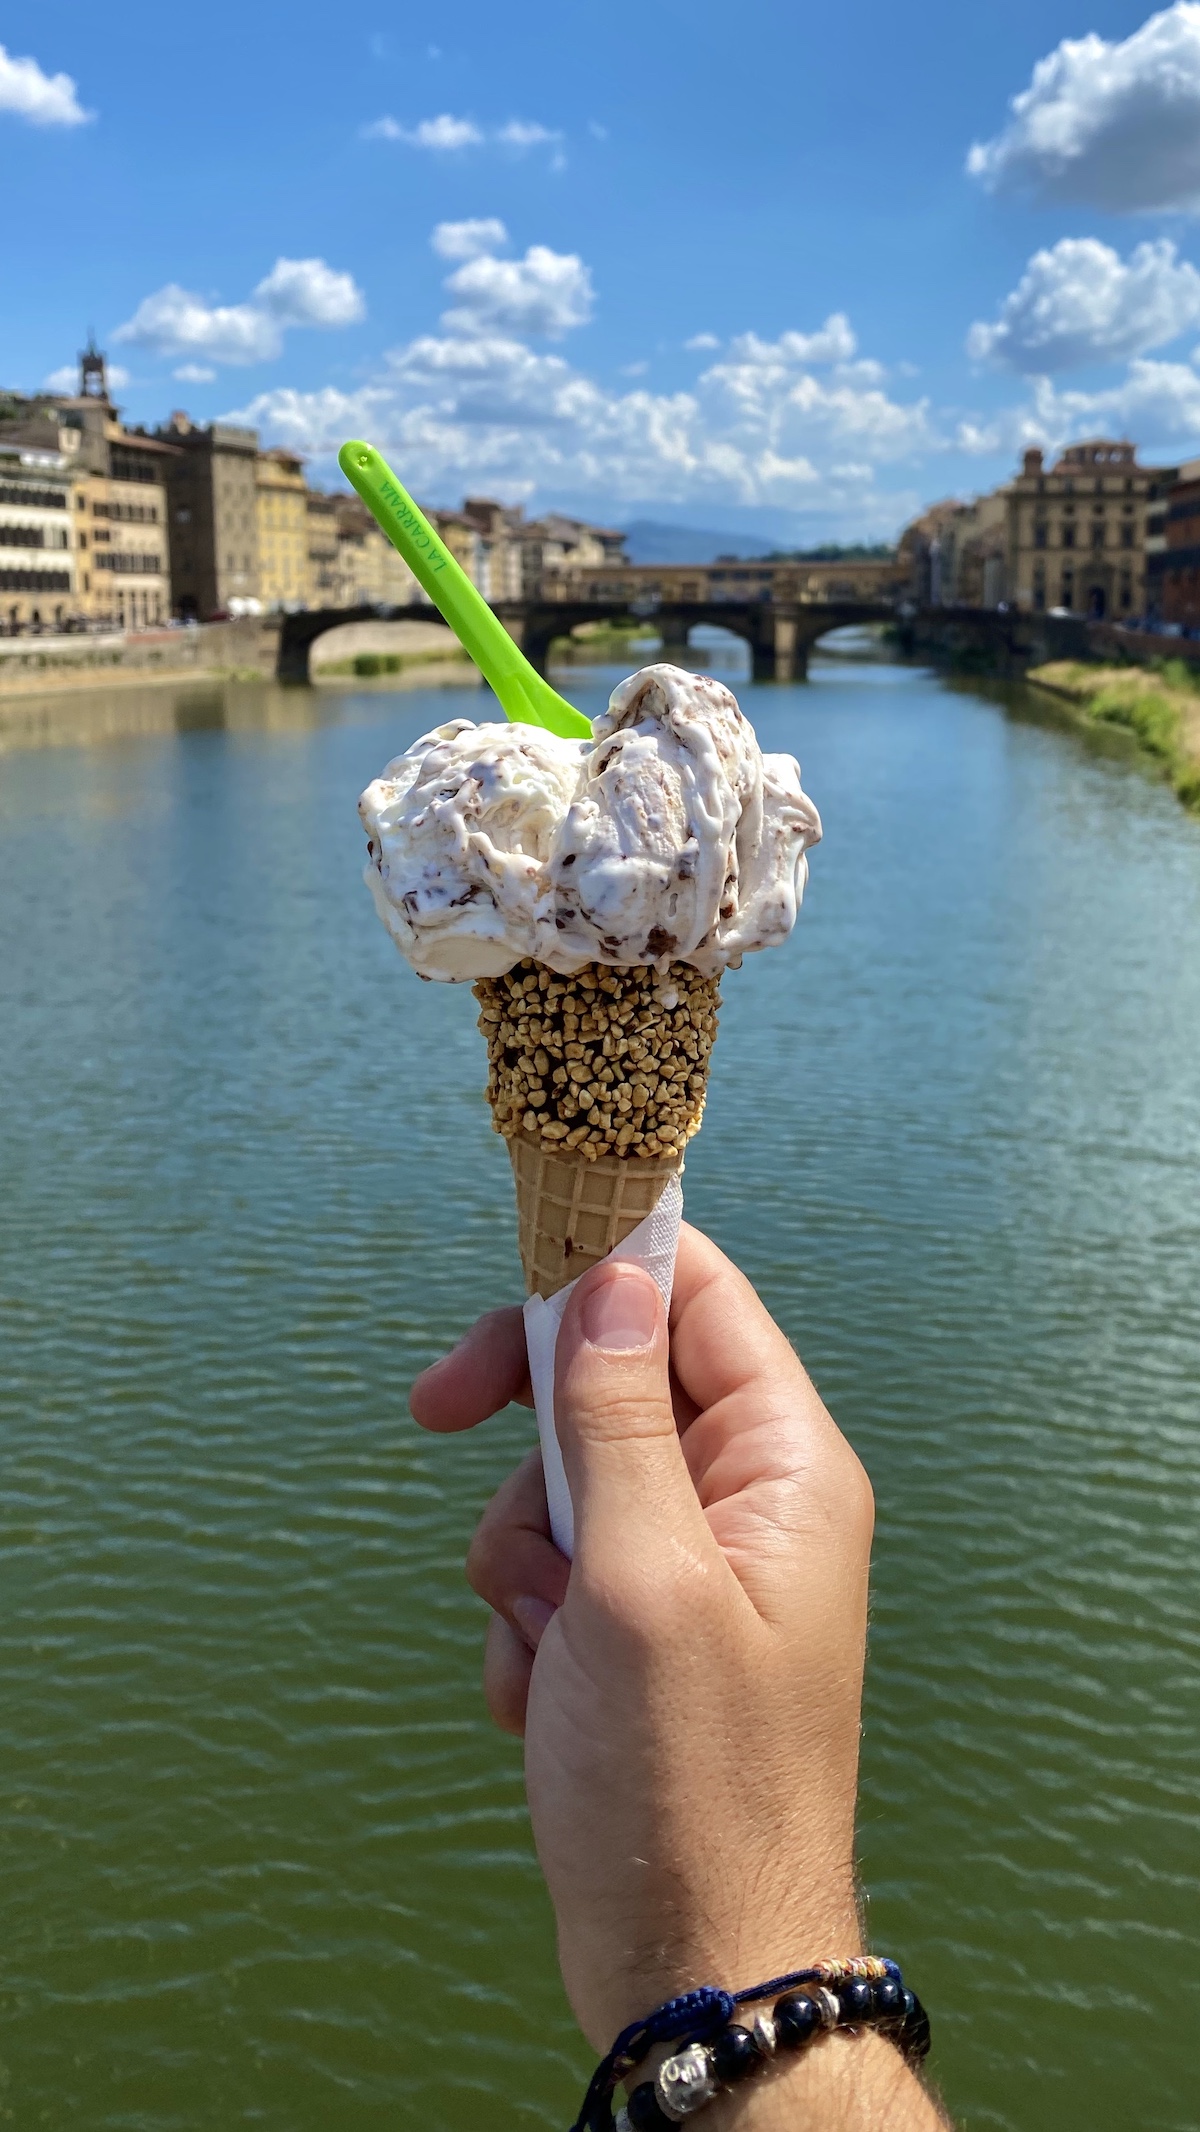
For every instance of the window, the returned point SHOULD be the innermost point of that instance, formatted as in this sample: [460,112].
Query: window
[1068,536]
[1039,534]
[33,499]
[1127,536]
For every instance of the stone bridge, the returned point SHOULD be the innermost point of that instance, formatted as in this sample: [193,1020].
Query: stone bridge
[778,609]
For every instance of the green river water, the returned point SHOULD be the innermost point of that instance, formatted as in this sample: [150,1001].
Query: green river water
[263,1862]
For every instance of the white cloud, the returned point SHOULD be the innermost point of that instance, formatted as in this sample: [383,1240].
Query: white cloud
[1156,402]
[834,342]
[1115,126]
[702,340]
[194,374]
[481,408]
[526,133]
[466,240]
[306,292]
[545,292]
[598,132]
[44,99]
[1079,303]
[296,292]
[446,135]
[66,378]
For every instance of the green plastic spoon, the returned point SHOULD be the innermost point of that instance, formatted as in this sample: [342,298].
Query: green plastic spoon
[527,699]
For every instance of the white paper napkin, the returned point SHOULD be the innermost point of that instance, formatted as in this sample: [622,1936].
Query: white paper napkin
[653,1244]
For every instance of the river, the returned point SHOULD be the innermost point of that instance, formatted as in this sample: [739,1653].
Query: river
[264,1862]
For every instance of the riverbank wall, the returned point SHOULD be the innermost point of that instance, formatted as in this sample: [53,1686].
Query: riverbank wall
[243,650]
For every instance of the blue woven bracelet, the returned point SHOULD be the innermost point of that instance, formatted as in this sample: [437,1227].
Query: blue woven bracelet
[715,2052]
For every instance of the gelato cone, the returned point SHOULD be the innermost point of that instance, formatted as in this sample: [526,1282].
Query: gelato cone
[594,893]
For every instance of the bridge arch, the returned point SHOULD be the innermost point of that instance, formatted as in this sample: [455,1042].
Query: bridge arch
[779,635]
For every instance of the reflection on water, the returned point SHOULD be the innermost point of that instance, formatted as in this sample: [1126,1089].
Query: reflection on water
[263,1859]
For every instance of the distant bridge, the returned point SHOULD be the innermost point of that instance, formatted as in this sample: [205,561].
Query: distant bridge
[778,609]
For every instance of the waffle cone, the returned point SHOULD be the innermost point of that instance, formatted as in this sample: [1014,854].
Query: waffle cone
[571,1212]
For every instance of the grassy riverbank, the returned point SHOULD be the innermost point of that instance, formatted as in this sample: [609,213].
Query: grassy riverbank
[1160,706]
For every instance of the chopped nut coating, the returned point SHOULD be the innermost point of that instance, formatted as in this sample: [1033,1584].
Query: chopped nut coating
[612,1062]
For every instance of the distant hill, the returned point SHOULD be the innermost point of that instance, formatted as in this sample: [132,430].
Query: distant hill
[648,541]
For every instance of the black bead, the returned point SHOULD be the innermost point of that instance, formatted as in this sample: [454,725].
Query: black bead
[889,2000]
[644,2112]
[915,2034]
[735,2054]
[797,2020]
[856,1999]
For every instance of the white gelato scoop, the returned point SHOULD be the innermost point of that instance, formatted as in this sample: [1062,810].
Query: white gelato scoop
[669,837]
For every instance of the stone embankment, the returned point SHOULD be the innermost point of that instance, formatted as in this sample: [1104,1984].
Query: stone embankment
[1159,705]
[388,649]
[37,666]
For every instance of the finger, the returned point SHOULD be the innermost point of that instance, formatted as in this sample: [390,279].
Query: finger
[629,1482]
[507,1667]
[722,1335]
[512,1562]
[487,1369]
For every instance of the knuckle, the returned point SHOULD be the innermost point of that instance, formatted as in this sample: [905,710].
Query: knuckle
[621,1412]
[485,1559]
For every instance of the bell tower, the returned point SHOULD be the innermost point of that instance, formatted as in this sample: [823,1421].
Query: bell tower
[93,378]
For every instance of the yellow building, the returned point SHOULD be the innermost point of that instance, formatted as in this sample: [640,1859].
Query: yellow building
[370,572]
[281,511]
[122,569]
[122,561]
[321,517]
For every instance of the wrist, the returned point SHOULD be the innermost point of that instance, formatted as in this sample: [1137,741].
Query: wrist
[727,1945]
[712,2051]
[846,2083]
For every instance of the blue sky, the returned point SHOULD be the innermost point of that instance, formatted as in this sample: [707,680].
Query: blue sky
[789,268]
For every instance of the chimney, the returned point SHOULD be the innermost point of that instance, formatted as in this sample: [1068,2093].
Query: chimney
[1031,462]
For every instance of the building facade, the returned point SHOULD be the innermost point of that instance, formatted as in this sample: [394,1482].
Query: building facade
[370,572]
[37,526]
[1173,561]
[281,520]
[123,561]
[118,539]
[1077,531]
[213,518]
[322,519]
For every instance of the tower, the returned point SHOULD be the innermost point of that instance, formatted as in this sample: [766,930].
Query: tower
[93,378]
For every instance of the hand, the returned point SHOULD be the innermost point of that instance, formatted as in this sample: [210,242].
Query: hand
[690,1686]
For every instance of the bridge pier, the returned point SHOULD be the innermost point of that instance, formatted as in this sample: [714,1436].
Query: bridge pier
[673,640]
[778,647]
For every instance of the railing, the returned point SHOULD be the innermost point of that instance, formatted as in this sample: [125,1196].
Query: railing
[645,588]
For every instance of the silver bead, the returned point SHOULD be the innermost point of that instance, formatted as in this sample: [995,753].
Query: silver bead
[827,2007]
[685,2082]
[764,2035]
[624,2122]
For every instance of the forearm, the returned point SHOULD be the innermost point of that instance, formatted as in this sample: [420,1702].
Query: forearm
[844,2083]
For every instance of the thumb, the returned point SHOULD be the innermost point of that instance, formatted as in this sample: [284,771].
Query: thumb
[629,1481]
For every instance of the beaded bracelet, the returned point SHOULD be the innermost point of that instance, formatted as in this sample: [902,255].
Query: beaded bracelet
[716,2052]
